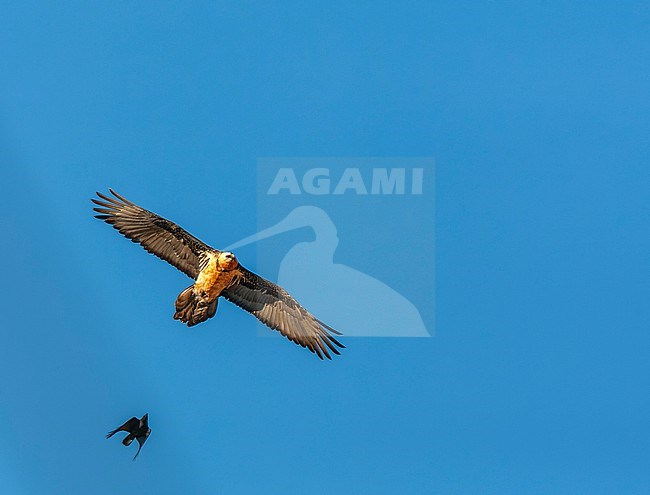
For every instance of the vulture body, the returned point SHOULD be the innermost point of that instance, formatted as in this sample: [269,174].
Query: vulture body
[216,274]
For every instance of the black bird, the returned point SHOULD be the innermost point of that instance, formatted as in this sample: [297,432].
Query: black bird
[138,429]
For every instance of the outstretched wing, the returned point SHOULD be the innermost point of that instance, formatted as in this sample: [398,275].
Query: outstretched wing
[130,426]
[275,307]
[157,235]
[141,440]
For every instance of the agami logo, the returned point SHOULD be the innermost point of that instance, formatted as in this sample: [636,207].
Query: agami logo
[318,181]
[352,239]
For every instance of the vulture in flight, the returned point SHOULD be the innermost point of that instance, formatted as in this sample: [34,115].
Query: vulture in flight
[216,273]
[137,429]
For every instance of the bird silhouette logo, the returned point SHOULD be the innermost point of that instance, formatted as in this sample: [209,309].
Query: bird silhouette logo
[364,305]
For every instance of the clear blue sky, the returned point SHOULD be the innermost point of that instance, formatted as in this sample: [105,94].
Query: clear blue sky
[537,115]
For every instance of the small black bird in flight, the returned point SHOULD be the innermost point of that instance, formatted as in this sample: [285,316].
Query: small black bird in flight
[137,429]
[216,273]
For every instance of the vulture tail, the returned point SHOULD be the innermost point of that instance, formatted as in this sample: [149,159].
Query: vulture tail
[192,309]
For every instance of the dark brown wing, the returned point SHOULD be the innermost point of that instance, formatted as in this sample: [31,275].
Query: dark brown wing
[130,426]
[275,307]
[157,235]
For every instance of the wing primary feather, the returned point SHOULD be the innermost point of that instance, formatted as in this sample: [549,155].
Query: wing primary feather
[274,307]
[323,348]
[122,198]
[108,198]
[328,327]
[154,233]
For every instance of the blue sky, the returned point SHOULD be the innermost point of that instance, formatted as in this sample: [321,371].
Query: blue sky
[537,116]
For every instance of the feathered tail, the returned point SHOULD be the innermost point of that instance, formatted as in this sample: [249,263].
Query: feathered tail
[192,309]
